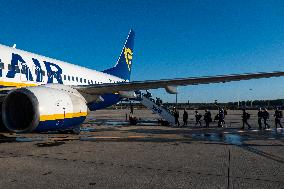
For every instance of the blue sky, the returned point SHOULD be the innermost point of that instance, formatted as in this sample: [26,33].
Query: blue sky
[174,39]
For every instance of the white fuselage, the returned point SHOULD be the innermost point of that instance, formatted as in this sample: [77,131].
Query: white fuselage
[69,74]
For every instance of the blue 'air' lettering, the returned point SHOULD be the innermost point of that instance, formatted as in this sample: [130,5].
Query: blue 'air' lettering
[38,70]
[53,74]
[25,69]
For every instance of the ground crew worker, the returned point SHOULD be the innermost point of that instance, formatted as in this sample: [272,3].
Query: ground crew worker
[265,118]
[260,117]
[197,118]
[207,118]
[278,116]
[185,117]
[245,118]
[176,115]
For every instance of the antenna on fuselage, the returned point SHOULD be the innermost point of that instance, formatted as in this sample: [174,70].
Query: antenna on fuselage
[14,46]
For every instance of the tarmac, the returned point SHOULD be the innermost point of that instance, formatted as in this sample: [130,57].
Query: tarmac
[109,153]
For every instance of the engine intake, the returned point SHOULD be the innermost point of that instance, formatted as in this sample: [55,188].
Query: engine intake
[43,108]
[20,111]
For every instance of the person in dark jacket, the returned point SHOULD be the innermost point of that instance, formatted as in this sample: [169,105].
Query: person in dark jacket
[259,118]
[197,118]
[245,118]
[185,117]
[265,118]
[278,116]
[207,118]
[221,117]
[176,115]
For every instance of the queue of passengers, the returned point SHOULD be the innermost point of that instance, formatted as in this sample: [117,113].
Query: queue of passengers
[263,117]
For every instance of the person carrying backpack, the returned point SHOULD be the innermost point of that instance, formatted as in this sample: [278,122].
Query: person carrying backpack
[197,118]
[278,116]
[221,117]
[245,118]
[185,117]
[265,118]
[259,118]
[207,117]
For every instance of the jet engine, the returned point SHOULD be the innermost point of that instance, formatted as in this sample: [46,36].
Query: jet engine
[43,108]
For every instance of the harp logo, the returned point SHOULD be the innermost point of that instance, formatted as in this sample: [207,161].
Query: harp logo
[128,57]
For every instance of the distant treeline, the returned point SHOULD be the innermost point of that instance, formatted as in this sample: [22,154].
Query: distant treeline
[255,104]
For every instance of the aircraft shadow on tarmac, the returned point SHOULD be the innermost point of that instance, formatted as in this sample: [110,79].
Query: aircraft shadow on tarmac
[220,138]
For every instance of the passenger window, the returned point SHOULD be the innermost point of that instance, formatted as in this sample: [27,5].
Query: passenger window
[85,81]
[68,78]
[72,78]
[80,80]
[77,79]
[64,77]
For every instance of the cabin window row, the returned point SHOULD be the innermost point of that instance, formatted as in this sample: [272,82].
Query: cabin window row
[77,79]
[38,71]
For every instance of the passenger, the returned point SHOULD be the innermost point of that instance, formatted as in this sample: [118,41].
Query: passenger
[157,101]
[245,118]
[221,118]
[224,113]
[207,118]
[265,118]
[176,115]
[197,118]
[216,117]
[278,116]
[185,117]
[148,94]
[260,117]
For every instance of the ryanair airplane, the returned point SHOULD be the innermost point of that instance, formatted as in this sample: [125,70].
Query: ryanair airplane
[42,94]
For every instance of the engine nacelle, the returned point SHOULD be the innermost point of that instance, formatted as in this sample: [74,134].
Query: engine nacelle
[44,108]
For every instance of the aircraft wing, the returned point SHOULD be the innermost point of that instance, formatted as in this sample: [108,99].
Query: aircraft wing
[166,83]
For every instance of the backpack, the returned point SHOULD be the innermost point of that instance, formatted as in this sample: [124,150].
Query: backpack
[248,115]
[198,116]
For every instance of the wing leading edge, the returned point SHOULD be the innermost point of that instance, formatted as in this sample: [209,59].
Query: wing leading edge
[165,83]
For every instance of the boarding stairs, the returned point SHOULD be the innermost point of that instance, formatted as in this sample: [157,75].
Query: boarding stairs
[157,108]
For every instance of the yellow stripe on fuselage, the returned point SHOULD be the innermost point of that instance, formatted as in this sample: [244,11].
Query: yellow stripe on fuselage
[16,84]
[62,116]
